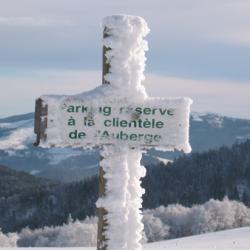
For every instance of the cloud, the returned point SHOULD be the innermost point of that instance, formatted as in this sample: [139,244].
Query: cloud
[33,21]
[188,38]
[239,36]
[225,97]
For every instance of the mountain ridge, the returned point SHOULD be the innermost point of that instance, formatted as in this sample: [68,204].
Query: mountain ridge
[207,131]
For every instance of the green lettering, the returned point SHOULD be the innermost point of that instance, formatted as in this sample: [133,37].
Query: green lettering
[70,108]
[106,111]
[77,108]
[133,137]
[147,111]
[154,110]
[171,112]
[73,135]
[123,123]
[138,110]
[159,124]
[148,138]
[147,124]
[123,136]
[162,111]
[71,121]
[107,123]
[81,135]
[157,138]
[105,134]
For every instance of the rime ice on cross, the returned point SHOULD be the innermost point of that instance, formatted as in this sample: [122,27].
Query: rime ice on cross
[132,121]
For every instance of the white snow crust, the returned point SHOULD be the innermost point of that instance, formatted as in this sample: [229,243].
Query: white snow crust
[123,199]
[127,54]
[235,239]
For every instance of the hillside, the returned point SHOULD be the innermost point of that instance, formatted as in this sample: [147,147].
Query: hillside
[162,223]
[26,200]
[207,131]
[226,240]
[212,174]
[15,182]
[201,176]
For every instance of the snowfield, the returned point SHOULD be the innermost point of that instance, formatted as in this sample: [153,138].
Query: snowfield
[235,239]
[224,240]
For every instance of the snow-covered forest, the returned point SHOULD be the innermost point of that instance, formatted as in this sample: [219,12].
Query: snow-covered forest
[162,223]
[36,202]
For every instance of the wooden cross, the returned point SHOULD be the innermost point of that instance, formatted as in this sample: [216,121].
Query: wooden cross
[115,119]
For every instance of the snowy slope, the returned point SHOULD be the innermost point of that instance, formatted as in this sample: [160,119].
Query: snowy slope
[224,240]
[208,131]
[236,239]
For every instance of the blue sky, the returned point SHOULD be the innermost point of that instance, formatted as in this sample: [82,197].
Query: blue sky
[198,48]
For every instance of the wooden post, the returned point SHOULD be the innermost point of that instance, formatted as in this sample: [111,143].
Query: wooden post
[105,64]
[41,112]
[102,220]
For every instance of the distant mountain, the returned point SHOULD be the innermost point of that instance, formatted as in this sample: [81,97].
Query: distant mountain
[207,131]
[211,131]
[17,151]
[17,118]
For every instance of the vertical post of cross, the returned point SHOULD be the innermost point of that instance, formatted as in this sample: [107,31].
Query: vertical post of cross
[41,112]
[102,220]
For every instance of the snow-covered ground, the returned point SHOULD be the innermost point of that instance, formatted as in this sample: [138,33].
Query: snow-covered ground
[235,239]
[224,240]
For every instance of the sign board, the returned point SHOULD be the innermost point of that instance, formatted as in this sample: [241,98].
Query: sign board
[85,123]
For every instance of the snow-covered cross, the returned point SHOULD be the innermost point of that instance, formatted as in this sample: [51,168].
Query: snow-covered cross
[120,119]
